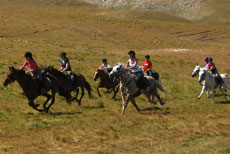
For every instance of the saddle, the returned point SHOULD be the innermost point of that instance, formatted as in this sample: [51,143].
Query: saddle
[46,82]
[72,76]
[219,79]
[155,75]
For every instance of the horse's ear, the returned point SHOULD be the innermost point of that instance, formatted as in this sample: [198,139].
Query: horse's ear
[11,68]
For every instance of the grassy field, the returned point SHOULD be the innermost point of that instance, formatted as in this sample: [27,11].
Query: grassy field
[88,34]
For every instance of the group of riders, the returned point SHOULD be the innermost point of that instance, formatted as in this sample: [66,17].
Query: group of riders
[132,65]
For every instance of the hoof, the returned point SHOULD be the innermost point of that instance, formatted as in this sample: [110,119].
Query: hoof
[198,98]
[162,103]
[36,105]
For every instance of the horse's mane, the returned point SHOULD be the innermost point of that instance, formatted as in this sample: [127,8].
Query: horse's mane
[58,73]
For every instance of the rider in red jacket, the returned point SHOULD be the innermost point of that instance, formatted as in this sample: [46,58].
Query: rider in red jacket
[147,65]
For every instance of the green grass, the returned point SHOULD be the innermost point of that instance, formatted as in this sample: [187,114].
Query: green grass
[88,34]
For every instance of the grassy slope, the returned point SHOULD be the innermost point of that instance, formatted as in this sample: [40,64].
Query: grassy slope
[183,125]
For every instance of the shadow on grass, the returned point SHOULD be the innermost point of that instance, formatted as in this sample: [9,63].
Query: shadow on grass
[63,113]
[151,109]
[224,102]
[154,110]
[219,95]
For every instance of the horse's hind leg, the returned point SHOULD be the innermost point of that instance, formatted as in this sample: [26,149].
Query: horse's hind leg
[134,103]
[82,94]
[221,89]
[77,92]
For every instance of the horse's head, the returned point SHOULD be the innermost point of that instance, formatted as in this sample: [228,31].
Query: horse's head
[97,74]
[117,70]
[202,75]
[196,71]
[12,75]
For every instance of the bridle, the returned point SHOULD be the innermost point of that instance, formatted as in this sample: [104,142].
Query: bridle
[15,77]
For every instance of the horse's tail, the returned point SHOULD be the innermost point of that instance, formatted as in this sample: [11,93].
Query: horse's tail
[228,80]
[159,86]
[88,88]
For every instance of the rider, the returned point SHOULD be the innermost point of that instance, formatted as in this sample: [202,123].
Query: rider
[31,63]
[205,61]
[105,65]
[147,65]
[212,67]
[65,66]
[133,66]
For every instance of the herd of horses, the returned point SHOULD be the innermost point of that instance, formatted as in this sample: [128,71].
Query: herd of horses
[119,78]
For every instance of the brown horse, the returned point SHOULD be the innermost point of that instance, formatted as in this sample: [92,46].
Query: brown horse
[68,86]
[31,89]
[106,82]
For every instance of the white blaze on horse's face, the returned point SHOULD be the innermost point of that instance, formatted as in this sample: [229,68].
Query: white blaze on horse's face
[196,70]
[114,71]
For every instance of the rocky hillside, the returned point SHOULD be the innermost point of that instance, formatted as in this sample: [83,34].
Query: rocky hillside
[189,9]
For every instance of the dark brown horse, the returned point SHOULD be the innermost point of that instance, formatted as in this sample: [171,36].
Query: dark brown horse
[68,86]
[31,89]
[106,82]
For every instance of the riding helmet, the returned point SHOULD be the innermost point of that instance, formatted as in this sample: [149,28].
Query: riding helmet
[28,54]
[210,59]
[104,60]
[147,56]
[63,54]
[131,52]
[206,58]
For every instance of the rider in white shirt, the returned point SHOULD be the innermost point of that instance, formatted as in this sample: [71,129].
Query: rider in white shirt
[133,66]
[105,65]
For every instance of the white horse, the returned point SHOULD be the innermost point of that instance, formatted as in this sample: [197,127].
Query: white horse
[207,80]
[129,88]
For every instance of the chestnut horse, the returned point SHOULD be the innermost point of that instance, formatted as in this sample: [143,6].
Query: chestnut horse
[67,85]
[106,82]
[31,89]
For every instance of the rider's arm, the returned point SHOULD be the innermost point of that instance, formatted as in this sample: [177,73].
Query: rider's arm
[66,67]
[24,65]
[127,65]
[101,67]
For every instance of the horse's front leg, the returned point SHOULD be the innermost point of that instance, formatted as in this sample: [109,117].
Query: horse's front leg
[98,91]
[52,101]
[134,103]
[202,91]
[31,103]
[125,104]
[47,100]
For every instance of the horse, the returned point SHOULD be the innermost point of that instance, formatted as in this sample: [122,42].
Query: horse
[67,85]
[106,82]
[31,88]
[207,80]
[128,86]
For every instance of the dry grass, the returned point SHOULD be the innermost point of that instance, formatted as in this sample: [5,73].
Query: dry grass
[183,125]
